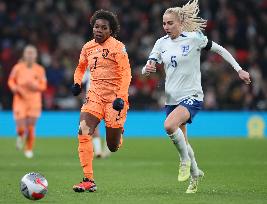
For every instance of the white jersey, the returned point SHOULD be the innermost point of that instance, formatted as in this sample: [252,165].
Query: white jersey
[181,59]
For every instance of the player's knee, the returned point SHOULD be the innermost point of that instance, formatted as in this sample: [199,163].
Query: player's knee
[84,129]
[114,138]
[113,147]
[21,131]
[169,127]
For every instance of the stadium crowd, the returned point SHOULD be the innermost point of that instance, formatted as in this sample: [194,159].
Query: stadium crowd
[60,28]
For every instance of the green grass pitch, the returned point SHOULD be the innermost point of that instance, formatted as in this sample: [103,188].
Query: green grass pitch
[143,171]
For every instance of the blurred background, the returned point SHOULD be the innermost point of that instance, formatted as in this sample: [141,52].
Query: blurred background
[60,28]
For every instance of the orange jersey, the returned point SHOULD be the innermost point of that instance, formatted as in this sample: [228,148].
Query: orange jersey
[109,67]
[21,81]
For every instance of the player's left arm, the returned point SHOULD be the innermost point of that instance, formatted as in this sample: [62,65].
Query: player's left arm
[122,59]
[244,75]
[39,83]
[42,80]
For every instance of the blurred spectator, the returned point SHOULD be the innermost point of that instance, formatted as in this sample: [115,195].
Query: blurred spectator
[59,28]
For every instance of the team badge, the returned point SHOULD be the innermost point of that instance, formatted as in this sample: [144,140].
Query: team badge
[105,53]
[185,50]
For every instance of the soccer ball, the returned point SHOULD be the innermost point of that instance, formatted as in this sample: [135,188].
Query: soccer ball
[33,186]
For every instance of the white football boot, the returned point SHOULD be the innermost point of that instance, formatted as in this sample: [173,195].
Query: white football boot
[184,170]
[192,188]
[28,154]
[19,143]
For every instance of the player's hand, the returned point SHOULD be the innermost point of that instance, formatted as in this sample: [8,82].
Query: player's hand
[33,86]
[20,91]
[118,104]
[244,76]
[150,67]
[76,89]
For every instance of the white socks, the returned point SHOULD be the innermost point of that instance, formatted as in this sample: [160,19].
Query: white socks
[179,141]
[106,151]
[194,167]
[97,146]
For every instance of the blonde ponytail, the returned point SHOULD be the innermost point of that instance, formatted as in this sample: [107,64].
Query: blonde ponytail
[187,14]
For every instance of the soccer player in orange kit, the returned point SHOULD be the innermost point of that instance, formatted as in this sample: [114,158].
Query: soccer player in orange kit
[27,81]
[107,97]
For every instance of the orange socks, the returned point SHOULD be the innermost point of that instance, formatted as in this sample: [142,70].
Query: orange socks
[21,131]
[30,138]
[86,155]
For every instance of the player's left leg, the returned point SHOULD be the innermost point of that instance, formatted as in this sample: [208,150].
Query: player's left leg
[114,138]
[114,126]
[194,180]
[196,173]
[30,124]
[194,167]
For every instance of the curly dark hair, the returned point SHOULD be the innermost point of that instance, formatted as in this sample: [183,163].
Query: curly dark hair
[110,17]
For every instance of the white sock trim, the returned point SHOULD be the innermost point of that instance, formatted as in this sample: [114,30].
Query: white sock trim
[179,142]
[194,167]
[97,145]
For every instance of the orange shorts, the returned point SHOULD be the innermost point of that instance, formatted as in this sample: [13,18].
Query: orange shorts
[103,110]
[22,110]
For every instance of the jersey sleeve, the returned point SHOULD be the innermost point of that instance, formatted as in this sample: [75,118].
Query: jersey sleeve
[155,54]
[226,55]
[201,40]
[42,80]
[12,79]
[81,68]
[122,59]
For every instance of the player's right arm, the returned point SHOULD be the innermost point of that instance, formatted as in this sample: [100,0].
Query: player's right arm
[79,72]
[81,68]
[14,87]
[154,58]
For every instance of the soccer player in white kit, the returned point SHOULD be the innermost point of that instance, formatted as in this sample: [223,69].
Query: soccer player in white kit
[179,51]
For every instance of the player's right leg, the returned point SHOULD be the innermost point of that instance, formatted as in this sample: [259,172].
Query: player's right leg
[21,131]
[19,113]
[178,116]
[88,123]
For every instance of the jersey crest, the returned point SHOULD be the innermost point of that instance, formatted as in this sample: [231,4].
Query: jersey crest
[185,50]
